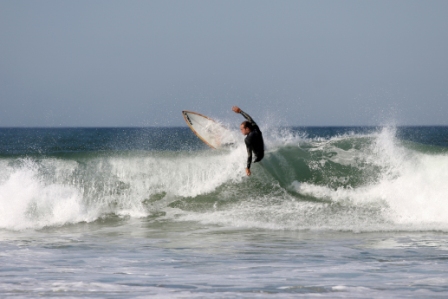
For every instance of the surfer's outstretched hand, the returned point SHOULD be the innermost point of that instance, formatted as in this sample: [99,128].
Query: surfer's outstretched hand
[236,109]
[248,171]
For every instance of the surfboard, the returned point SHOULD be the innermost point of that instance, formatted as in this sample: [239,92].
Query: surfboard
[209,131]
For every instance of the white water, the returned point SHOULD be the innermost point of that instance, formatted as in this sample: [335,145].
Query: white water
[410,194]
[412,186]
[191,225]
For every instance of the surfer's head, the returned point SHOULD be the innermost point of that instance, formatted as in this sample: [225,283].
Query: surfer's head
[246,127]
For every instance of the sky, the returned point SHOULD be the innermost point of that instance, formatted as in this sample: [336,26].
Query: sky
[296,63]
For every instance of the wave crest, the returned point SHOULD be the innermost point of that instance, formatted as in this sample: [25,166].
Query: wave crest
[354,181]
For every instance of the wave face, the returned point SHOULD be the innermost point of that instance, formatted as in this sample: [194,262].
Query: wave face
[311,178]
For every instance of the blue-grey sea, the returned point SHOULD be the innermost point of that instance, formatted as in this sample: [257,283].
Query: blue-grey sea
[330,212]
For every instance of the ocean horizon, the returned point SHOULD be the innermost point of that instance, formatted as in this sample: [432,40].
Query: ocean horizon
[137,212]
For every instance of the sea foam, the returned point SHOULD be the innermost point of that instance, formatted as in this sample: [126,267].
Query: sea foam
[355,182]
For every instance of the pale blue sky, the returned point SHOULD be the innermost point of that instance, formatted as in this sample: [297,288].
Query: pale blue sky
[139,63]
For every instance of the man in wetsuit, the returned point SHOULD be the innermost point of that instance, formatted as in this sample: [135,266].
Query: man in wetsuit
[254,138]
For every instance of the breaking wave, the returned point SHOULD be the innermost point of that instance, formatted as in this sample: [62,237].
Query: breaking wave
[354,181]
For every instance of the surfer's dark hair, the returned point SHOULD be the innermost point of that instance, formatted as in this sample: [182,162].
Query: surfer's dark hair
[247,124]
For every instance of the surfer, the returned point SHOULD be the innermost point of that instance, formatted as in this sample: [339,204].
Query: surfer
[254,138]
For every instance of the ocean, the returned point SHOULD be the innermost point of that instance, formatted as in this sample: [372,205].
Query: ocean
[330,212]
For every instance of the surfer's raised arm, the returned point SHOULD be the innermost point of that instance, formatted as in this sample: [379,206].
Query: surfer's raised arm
[244,114]
[254,138]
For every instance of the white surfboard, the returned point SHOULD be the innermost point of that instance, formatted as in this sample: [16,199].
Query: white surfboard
[209,131]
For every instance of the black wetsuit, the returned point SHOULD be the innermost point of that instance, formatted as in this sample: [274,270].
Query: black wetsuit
[254,141]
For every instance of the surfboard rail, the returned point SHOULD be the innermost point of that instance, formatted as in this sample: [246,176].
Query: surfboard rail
[207,129]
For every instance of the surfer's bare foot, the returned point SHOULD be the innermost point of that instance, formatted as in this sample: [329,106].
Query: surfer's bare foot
[248,171]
